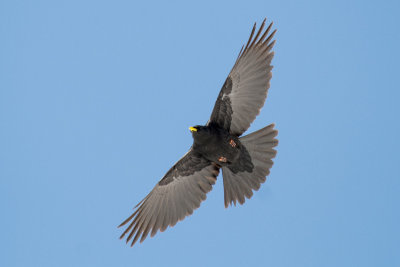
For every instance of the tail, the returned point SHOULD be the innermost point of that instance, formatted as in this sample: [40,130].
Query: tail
[239,184]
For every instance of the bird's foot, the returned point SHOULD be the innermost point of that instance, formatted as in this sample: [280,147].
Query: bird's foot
[222,159]
[232,143]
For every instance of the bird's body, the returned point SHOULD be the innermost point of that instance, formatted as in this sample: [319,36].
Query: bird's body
[216,144]
[245,161]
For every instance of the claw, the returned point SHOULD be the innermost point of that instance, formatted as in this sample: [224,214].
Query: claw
[222,159]
[232,143]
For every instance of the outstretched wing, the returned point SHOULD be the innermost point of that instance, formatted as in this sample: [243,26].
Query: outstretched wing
[244,92]
[175,196]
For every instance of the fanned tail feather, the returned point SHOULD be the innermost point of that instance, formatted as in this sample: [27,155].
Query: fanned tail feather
[260,146]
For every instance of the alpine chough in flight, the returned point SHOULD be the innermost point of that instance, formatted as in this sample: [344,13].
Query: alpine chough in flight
[244,160]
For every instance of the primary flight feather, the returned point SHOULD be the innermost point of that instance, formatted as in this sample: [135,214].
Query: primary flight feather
[245,161]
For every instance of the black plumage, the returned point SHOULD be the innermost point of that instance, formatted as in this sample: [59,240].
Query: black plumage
[245,161]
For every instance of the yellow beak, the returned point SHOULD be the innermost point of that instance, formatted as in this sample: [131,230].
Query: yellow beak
[192,129]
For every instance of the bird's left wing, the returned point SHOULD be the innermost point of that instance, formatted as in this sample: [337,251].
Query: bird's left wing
[245,89]
[174,197]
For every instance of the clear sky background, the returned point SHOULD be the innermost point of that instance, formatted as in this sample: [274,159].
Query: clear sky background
[95,102]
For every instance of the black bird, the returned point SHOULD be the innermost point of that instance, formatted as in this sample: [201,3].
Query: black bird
[244,161]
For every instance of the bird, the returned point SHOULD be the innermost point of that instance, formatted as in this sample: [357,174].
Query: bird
[245,161]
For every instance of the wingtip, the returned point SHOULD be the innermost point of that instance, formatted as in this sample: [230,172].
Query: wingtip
[122,236]
[273,33]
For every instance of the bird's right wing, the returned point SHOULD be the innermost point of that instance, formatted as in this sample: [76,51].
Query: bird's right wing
[174,197]
[245,89]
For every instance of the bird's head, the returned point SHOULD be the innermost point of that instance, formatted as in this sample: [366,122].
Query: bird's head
[195,129]
[199,133]
[198,130]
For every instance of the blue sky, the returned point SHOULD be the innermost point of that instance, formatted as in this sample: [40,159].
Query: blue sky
[95,102]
